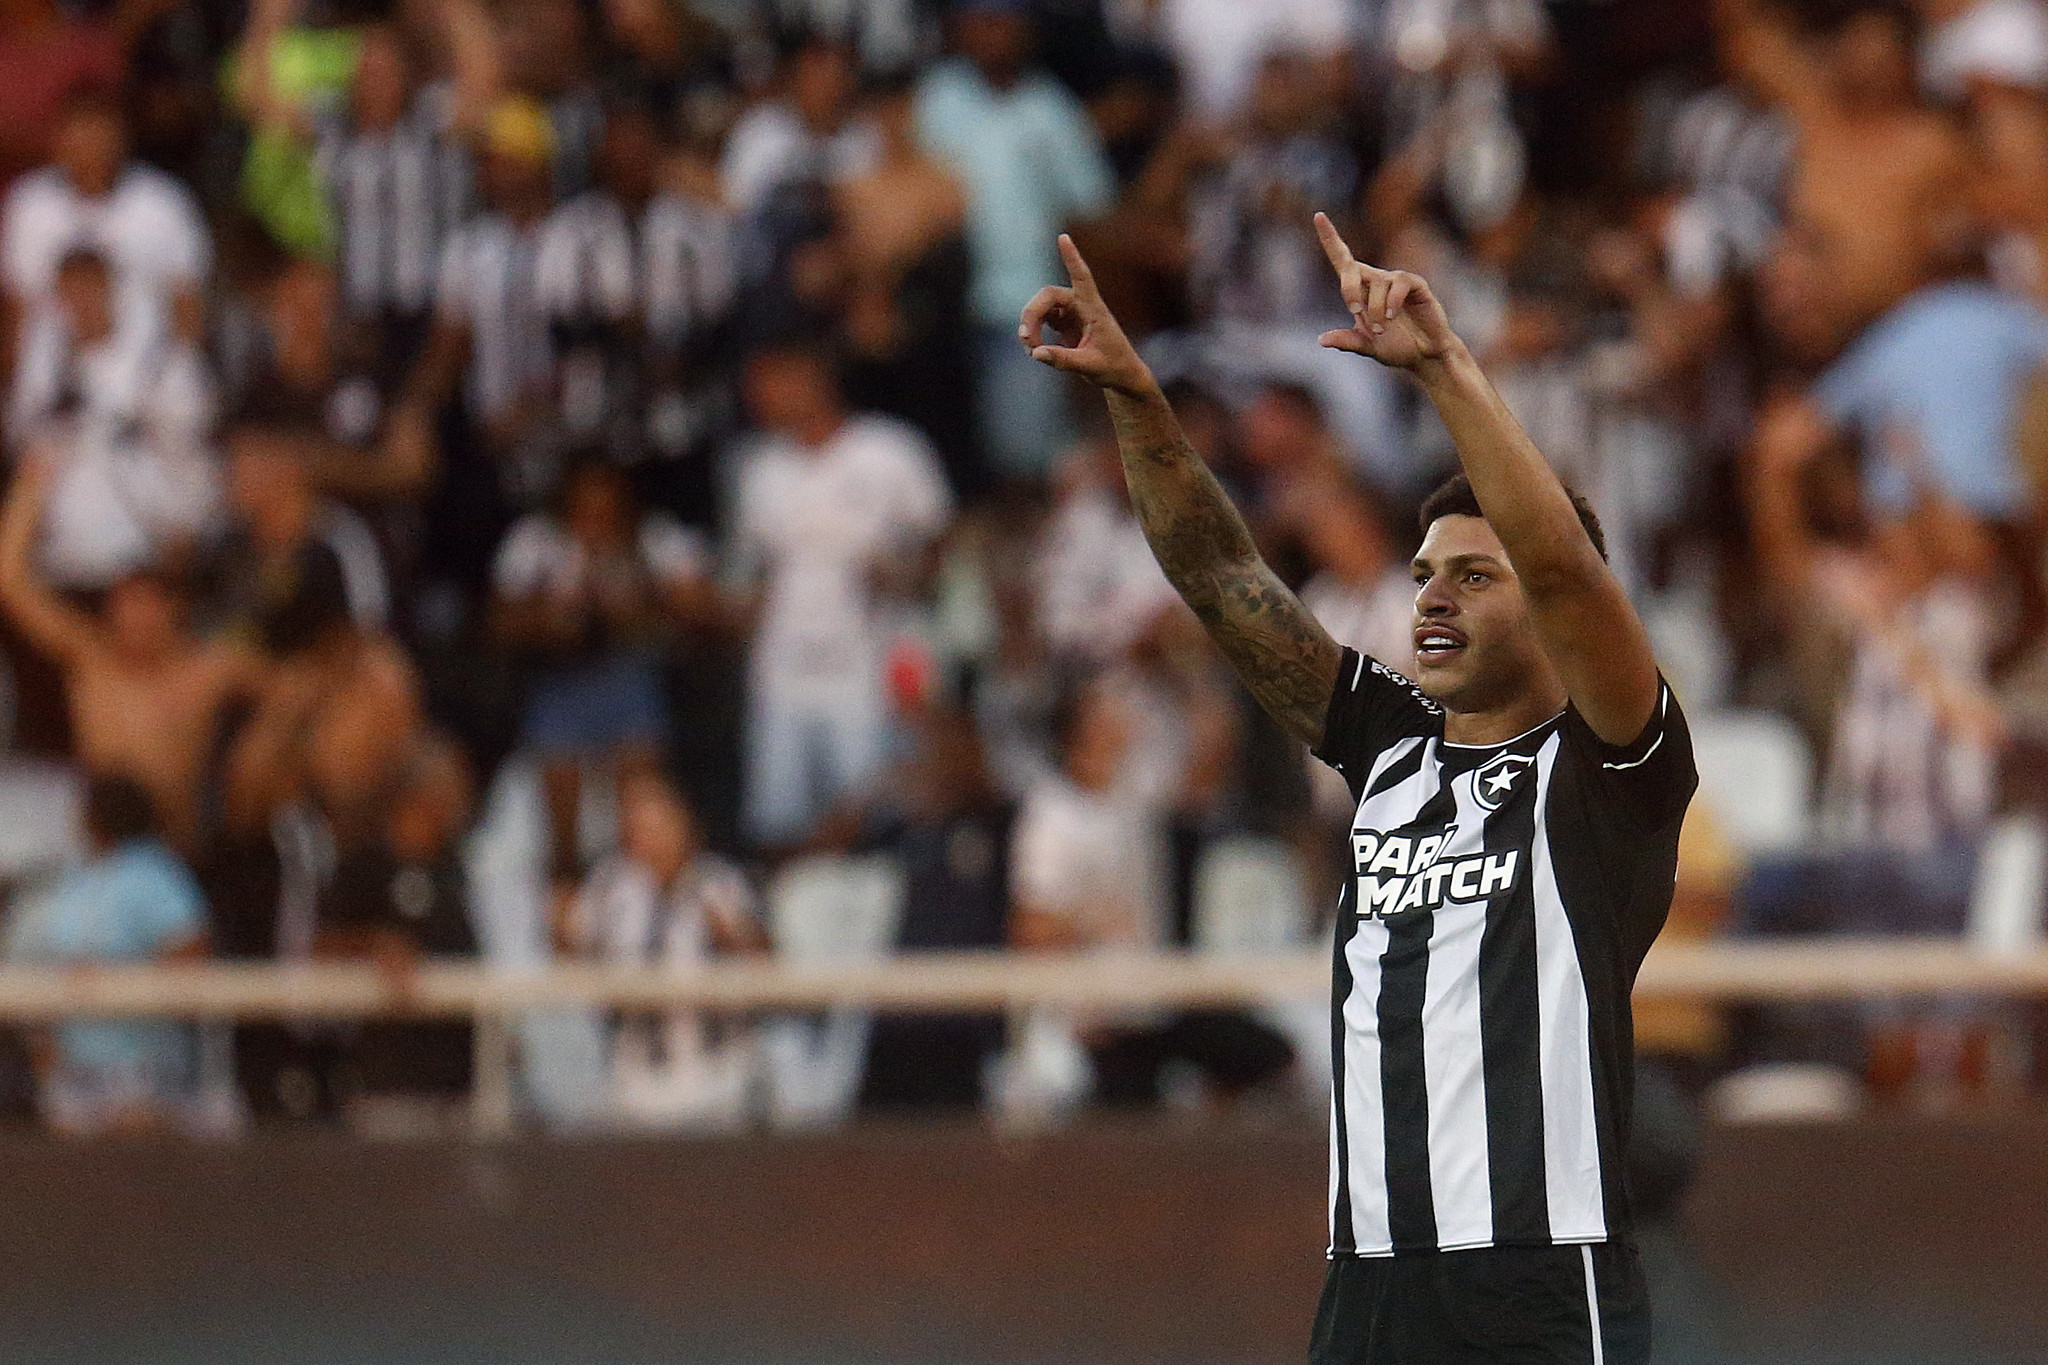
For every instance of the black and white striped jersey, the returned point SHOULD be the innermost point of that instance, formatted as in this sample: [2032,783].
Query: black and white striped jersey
[1502,898]
[396,195]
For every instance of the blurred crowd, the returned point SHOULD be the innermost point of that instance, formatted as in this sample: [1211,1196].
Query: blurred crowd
[575,456]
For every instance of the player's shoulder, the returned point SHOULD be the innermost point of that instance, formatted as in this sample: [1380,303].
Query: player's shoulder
[1372,707]
[1647,781]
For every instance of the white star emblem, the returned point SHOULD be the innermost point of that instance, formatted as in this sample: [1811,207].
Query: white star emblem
[1495,783]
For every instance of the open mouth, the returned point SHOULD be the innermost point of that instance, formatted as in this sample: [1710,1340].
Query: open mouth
[1435,644]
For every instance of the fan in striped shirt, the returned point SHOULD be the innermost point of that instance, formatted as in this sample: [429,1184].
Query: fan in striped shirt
[635,280]
[567,324]
[1514,850]
[399,180]
[491,335]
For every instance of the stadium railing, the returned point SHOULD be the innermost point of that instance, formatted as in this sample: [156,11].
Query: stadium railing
[932,982]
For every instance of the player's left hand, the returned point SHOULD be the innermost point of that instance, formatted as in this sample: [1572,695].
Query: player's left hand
[1087,339]
[1395,318]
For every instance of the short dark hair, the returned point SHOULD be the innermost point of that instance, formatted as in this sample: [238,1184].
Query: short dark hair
[83,258]
[311,609]
[1454,498]
[118,811]
[1827,18]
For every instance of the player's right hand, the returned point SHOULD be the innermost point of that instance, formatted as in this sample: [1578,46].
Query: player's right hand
[1090,343]
[1395,318]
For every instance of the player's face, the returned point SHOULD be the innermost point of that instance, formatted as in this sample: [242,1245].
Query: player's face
[1475,647]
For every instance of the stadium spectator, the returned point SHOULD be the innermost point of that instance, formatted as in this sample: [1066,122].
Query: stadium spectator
[1360,590]
[586,596]
[105,371]
[828,506]
[807,137]
[400,899]
[942,819]
[1096,589]
[145,696]
[131,901]
[1909,784]
[125,416]
[1086,867]
[1879,181]
[490,336]
[144,223]
[390,175]
[902,246]
[297,364]
[1987,61]
[1032,163]
[1254,273]
[284,532]
[547,53]
[636,279]
[663,900]
[1935,391]
[334,724]
[1088,873]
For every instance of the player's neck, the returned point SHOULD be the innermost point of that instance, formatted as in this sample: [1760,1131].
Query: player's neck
[1497,725]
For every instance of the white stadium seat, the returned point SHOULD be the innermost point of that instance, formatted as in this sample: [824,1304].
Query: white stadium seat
[2006,894]
[826,909]
[1251,899]
[1756,775]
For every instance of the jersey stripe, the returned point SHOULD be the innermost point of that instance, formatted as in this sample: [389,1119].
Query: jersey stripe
[1507,983]
[1571,1134]
[1459,1183]
[1401,782]
[1342,1234]
[1365,1158]
[1404,967]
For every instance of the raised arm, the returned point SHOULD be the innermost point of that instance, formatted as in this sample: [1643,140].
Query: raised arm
[1287,660]
[1588,629]
[255,74]
[51,624]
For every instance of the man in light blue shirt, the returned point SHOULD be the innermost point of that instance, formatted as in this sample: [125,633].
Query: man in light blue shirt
[1933,388]
[1032,163]
[132,901]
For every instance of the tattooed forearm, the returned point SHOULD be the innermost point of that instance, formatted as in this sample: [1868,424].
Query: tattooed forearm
[1287,660]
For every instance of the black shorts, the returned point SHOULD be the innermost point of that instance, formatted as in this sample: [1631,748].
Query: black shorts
[1567,1305]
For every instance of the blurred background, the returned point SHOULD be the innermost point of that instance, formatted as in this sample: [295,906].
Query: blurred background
[535,481]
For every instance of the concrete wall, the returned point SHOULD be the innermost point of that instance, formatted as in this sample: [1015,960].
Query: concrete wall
[1162,1242]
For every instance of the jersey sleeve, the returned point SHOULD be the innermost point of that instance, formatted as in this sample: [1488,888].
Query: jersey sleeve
[1370,708]
[1649,781]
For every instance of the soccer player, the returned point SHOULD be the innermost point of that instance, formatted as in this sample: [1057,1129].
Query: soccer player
[1514,849]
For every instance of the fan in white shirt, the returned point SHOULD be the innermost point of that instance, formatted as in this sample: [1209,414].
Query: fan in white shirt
[1218,44]
[141,220]
[124,416]
[806,136]
[1086,864]
[826,503]
[1096,588]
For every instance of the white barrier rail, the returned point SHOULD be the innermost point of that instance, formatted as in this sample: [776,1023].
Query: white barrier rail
[493,997]
[1729,971]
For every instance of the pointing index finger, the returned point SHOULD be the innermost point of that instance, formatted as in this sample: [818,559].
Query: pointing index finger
[1333,245]
[1078,271]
